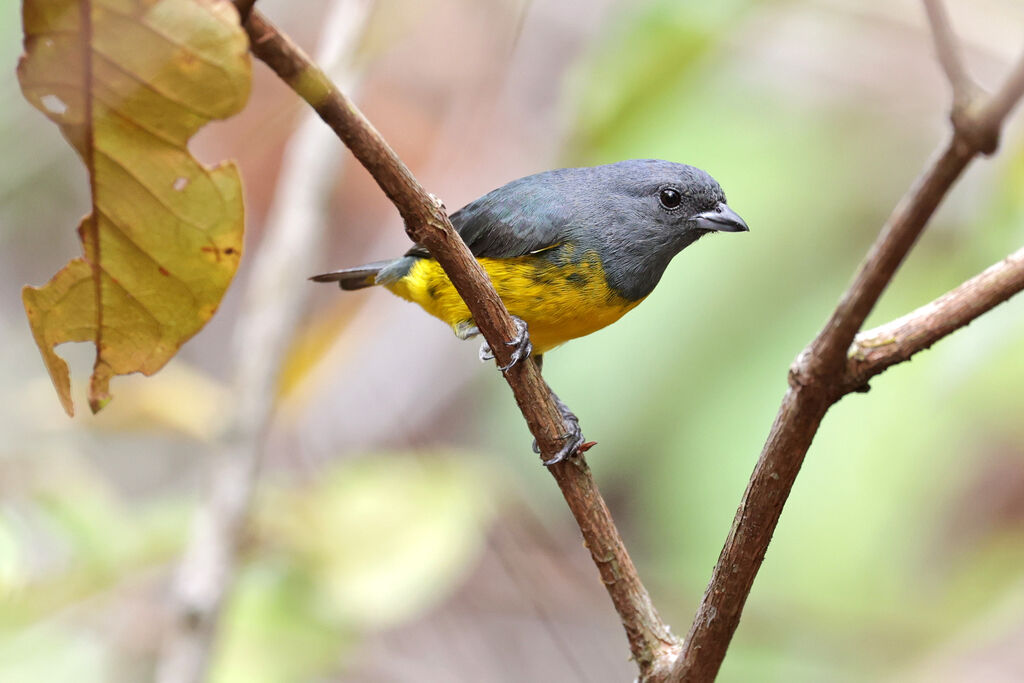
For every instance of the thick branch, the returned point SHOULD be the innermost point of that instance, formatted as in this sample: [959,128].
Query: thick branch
[818,379]
[651,642]
[875,351]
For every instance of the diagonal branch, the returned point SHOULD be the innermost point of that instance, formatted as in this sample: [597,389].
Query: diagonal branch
[827,353]
[1005,100]
[947,50]
[272,304]
[818,378]
[875,351]
[650,639]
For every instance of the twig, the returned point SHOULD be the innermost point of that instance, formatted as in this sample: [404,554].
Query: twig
[244,8]
[1003,102]
[876,350]
[426,222]
[818,379]
[826,355]
[947,49]
[274,300]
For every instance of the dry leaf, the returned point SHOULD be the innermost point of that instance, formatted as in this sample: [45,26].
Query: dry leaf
[129,82]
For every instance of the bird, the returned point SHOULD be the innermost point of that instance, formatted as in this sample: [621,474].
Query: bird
[569,251]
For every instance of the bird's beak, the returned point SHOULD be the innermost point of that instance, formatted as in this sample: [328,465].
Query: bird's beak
[721,219]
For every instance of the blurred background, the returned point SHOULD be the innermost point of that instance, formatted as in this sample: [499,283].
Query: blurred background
[401,528]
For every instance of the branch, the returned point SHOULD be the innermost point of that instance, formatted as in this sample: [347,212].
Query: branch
[274,301]
[1005,100]
[875,351]
[826,356]
[947,50]
[652,643]
[818,377]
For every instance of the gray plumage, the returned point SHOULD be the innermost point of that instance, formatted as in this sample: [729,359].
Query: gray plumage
[617,211]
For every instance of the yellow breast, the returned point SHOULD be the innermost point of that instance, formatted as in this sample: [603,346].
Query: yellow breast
[559,301]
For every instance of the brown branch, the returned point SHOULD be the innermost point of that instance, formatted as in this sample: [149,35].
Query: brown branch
[826,355]
[818,379]
[999,106]
[244,8]
[273,302]
[651,641]
[874,351]
[947,49]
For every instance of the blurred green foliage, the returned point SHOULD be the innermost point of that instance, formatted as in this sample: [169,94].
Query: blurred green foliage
[372,543]
[861,578]
[901,528]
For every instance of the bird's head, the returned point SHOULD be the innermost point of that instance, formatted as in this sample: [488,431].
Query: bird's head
[683,201]
[651,210]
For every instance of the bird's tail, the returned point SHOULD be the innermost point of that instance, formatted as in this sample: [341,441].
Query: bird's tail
[354,278]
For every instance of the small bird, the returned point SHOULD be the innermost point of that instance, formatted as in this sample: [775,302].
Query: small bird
[569,251]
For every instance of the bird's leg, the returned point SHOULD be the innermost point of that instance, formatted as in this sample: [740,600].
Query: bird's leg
[466,329]
[573,441]
[522,347]
[574,438]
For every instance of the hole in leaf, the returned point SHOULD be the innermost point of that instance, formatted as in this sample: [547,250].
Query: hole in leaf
[53,104]
[180,184]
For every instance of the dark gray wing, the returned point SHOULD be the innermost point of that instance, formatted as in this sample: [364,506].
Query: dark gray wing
[526,215]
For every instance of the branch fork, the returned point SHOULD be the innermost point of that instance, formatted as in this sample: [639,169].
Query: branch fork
[840,360]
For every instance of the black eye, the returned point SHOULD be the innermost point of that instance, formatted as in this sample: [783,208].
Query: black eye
[670,199]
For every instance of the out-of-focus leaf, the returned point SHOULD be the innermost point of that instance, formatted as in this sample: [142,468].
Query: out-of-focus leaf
[181,399]
[387,536]
[276,629]
[83,540]
[54,653]
[310,345]
[370,543]
[12,571]
[651,50]
[129,82]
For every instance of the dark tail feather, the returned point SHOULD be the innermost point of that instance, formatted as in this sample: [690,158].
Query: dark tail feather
[353,278]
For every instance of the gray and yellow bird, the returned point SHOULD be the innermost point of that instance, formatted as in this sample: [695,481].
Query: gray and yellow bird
[569,251]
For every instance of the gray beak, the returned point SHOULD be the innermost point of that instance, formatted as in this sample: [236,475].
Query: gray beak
[720,219]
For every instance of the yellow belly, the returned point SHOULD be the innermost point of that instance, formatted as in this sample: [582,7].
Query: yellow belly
[558,302]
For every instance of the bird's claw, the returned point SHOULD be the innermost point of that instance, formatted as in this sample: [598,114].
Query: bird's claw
[573,441]
[485,352]
[522,347]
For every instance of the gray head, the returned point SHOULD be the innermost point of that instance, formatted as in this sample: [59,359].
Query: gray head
[650,210]
[684,200]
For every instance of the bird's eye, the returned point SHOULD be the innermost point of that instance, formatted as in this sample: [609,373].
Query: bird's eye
[670,199]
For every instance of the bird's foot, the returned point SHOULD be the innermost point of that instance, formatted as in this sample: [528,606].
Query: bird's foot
[521,345]
[466,330]
[573,441]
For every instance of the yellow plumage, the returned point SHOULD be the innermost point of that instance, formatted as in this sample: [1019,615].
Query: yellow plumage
[558,302]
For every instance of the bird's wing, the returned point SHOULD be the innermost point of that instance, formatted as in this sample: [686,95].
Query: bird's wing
[519,218]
